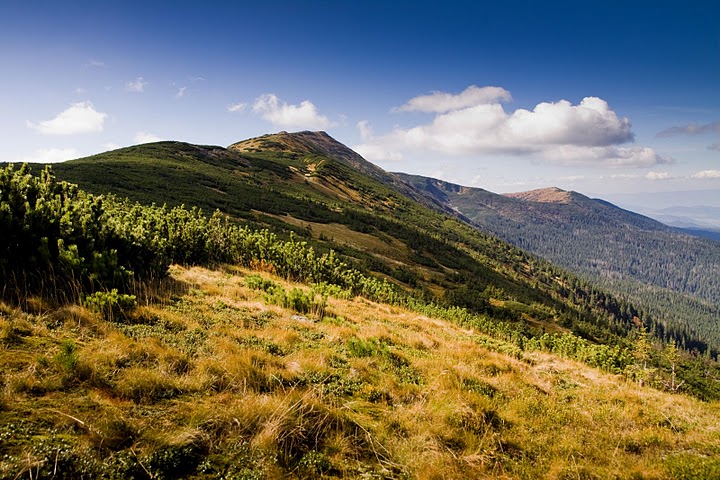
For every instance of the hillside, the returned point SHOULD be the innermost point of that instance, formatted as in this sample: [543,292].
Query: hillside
[668,273]
[323,146]
[212,379]
[322,191]
[139,341]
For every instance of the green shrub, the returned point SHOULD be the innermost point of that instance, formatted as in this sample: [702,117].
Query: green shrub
[257,282]
[358,347]
[111,304]
[67,358]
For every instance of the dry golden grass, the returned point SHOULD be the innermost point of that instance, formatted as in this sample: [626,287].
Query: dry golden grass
[215,382]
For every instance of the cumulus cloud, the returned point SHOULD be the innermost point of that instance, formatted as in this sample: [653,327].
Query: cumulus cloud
[377,153]
[80,117]
[366,131]
[236,107]
[137,85]
[441,102]
[145,137]
[707,174]
[51,155]
[475,122]
[281,114]
[371,151]
[610,156]
[691,129]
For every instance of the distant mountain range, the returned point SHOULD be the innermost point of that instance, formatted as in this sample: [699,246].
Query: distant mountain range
[697,212]
[438,239]
[649,262]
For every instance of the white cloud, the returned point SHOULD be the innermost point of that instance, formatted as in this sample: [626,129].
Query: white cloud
[366,131]
[236,107]
[78,118]
[181,92]
[658,176]
[282,114]
[137,85]
[621,176]
[111,146]
[571,178]
[51,155]
[714,146]
[707,174]
[441,102]
[375,153]
[145,137]
[475,122]
[610,156]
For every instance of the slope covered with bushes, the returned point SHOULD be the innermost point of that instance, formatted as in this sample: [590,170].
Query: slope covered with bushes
[117,364]
[325,194]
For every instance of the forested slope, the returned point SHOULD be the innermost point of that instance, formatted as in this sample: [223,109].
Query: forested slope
[670,274]
[324,192]
[275,182]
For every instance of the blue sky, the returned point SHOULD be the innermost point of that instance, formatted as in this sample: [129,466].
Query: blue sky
[601,97]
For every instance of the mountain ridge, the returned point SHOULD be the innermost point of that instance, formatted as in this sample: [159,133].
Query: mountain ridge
[294,182]
[321,144]
[544,195]
[622,250]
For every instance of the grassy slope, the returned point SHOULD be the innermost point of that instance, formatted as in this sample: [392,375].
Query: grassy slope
[209,380]
[324,191]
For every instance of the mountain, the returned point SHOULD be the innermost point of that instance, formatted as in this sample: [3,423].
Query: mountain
[321,146]
[140,341]
[311,185]
[427,236]
[697,216]
[660,268]
[694,212]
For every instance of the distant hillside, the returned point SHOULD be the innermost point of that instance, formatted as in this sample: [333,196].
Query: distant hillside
[670,273]
[703,233]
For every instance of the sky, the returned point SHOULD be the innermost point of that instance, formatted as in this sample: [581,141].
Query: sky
[602,97]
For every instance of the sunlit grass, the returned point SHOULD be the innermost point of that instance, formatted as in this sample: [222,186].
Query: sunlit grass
[212,381]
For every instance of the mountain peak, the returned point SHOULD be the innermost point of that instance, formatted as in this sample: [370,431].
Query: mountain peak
[306,142]
[545,195]
[321,144]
